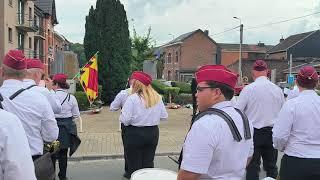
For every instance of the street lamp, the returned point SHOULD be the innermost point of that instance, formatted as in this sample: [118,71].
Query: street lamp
[240,49]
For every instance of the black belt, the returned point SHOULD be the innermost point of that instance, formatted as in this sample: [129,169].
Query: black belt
[35,157]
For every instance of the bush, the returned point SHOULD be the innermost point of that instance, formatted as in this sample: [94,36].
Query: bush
[158,86]
[171,92]
[184,87]
[183,99]
[82,99]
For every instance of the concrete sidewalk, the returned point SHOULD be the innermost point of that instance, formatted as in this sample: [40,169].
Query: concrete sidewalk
[102,140]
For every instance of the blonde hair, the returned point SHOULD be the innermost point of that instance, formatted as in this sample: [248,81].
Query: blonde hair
[146,92]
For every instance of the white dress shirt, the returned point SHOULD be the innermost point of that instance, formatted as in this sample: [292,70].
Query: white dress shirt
[69,107]
[50,95]
[261,101]
[35,113]
[210,149]
[293,93]
[297,128]
[120,99]
[135,113]
[15,157]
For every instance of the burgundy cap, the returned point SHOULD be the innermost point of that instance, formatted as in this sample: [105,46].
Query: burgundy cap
[60,78]
[238,89]
[34,63]
[15,59]
[260,65]
[307,75]
[217,73]
[142,77]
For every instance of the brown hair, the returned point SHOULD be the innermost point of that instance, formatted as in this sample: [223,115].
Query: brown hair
[64,85]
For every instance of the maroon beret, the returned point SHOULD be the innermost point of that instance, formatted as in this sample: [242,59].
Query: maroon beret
[307,75]
[60,78]
[142,77]
[217,73]
[15,59]
[34,63]
[260,65]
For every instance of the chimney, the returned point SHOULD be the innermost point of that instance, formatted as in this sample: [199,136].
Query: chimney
[206,32]
[281,39]
[260,44]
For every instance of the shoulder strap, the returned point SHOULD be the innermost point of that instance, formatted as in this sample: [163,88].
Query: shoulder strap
[16,93]
[31,86]
[67,97]
[247,133]
[233,128]
[1,99]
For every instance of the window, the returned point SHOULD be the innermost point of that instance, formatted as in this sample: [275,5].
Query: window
[30,14]
[177,75]
[30,43]
[169,75]
[20,40]
[10,34]
[169,58]
[21,11]
[177,56]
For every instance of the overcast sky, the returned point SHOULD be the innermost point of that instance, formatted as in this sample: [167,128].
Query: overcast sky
[171,18]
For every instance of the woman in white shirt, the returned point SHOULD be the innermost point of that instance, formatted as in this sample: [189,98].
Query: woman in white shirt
[140,116]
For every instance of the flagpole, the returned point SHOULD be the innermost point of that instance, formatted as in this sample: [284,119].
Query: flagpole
[84,65]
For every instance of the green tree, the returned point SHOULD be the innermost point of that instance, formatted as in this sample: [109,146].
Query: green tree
[107,32]
[79,50]
[141,50]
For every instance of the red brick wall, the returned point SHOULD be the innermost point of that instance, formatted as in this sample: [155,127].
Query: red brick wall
[280,55]
[195,51]
[228,58]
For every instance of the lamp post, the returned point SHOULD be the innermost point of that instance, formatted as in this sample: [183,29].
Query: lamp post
[240,49]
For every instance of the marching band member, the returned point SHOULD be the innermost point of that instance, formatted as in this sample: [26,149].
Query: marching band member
[117,104]
[213,149]
[32,108]
[35,70]
[296,130]
[261,101]
[140,116]
[68,137]
[15,156]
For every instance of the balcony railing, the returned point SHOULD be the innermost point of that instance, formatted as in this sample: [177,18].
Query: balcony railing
[25,23]
[40,33]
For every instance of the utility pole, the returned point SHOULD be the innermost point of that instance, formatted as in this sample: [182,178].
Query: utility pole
[240,52]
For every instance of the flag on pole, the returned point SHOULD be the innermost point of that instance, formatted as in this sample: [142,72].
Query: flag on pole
[88,78]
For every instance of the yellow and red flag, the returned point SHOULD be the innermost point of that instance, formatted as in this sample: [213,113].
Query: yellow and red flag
[88,77]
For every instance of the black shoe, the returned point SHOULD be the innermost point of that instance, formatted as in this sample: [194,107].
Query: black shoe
[126,175]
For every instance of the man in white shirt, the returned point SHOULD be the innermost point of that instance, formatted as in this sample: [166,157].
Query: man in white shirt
[261,101]
[215,149]
[32,108]
[15,157]
[296,130]
[35,71]
[117,104]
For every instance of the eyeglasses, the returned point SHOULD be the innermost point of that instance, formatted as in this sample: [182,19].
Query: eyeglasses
[199,88]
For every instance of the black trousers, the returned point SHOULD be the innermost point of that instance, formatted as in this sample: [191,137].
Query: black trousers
[62,156]
[294,168]
[124,150]
[140,146]
[263,148]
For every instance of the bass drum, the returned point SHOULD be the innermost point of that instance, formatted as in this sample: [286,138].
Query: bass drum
[154,174]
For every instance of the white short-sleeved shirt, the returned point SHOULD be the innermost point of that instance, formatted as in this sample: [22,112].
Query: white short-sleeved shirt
[15,156]
[261,101]
[35,113]
[70,106]
[50,95]
[135,113]
[120,99]
[210,149]
[297,128]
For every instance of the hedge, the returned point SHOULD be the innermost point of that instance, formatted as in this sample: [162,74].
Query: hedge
[158,86]
[82,100]
[184,87]
[183,99]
